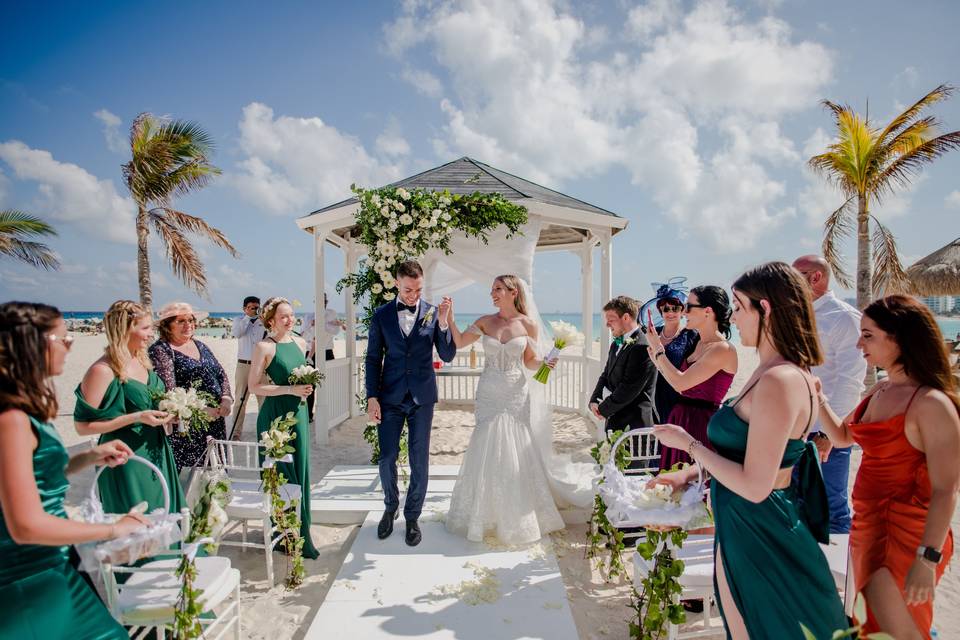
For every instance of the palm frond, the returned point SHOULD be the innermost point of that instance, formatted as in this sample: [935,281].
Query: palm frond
[838,227]
[902,169]
[191,176]
[888,273]
[192,224]
[184,261]
[14,222]
[35,254]
[942,92]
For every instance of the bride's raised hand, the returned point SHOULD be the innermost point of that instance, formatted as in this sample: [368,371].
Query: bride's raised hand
[446,311]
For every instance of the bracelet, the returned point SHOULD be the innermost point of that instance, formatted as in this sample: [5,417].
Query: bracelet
[693,443]
[113,531]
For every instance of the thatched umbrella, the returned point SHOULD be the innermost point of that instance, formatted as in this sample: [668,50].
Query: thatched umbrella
[939,273]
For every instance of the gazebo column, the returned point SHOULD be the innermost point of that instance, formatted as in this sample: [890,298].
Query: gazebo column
[606,284]
[321,407]
[586,322]
[350,266]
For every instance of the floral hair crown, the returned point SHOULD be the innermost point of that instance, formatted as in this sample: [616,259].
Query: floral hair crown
[270,305]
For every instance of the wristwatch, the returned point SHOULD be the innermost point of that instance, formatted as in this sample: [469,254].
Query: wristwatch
[929,553]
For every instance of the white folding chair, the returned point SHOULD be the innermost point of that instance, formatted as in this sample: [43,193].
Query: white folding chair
[837,553]
[696,580]
[146,599]
[248,500]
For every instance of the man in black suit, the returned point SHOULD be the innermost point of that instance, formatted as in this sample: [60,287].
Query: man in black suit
[628,374]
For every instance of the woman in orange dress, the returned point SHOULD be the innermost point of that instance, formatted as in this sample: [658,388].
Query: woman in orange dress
[906,488]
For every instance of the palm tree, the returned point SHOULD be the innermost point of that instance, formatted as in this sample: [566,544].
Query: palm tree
[867,164]
[17,230]
[170,158]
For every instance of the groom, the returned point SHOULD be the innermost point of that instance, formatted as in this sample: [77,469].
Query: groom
[402,388]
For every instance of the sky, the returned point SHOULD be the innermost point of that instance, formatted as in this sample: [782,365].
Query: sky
[693,120]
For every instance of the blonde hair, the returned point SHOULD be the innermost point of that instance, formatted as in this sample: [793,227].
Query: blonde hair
[269,309]
[512,283]
[117,323]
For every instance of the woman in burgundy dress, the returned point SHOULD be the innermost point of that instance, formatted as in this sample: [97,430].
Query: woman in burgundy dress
[705,376]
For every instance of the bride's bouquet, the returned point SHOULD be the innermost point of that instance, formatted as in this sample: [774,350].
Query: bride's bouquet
[305,374]
[189,407]
[564,335]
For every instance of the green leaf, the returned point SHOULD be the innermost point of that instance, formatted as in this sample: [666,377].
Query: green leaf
[807,634]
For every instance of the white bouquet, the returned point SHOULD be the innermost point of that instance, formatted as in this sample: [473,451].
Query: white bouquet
[630,502]
[189,407]
[564,335]
[305,374]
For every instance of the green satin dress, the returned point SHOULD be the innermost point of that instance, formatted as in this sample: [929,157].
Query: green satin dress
[776,571]
[288,357]
[41,595]
[123,487]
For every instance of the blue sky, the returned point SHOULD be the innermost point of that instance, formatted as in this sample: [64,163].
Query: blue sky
[692,119]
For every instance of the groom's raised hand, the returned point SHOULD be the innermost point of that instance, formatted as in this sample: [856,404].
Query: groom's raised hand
[446,307]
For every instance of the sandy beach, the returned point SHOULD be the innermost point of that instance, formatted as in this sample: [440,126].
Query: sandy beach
[600,609]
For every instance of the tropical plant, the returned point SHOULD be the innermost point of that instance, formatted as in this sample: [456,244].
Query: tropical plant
[18,231]
[170,158]
[868,163]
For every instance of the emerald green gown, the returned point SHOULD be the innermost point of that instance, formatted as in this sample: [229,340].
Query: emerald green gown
[287,358]
[123,487]
[41,595]
[776,571]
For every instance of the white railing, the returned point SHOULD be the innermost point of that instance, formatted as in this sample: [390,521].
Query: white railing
[337,384]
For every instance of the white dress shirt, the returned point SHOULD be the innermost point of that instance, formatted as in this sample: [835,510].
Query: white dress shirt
[248,331]
[330,322]
[407,318]
[843,368]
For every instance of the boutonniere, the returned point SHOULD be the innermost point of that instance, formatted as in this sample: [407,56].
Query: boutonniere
[629,341]
[428,316]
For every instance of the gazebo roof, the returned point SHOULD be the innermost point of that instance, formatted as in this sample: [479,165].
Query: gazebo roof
[568,219]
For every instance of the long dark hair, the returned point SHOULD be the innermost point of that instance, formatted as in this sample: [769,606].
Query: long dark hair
[24,373]
[923,353]
[793,326]
[717,299]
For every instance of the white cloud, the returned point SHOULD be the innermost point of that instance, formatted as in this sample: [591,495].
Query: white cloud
[295,164]
[424,81]
[111,131]
[391,142]
[19,282]
[646,19]
[70,194]
[953,200]
[690,106]
[4,188]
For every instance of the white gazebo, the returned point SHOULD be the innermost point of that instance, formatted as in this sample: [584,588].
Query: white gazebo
[565,224]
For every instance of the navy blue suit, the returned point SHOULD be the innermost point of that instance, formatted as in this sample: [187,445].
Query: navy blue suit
[400,375]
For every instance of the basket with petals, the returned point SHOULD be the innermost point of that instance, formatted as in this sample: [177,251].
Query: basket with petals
[164,528]
[631,503]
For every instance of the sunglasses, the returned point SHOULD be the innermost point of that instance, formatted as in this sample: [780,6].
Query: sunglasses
[669,308]
[691,305]
[67,340]
[185,321]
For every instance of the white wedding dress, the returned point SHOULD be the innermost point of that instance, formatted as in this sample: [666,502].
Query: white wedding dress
[506,487]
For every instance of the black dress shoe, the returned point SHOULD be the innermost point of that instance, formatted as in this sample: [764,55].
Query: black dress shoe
[413,533]
[385,528]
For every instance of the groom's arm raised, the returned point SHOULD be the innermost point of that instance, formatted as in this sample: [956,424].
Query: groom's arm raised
[374,360]
[443,341]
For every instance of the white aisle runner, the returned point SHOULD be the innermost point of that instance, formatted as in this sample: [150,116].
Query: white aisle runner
[445,588]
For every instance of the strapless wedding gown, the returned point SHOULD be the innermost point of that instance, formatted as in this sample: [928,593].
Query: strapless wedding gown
[505,487]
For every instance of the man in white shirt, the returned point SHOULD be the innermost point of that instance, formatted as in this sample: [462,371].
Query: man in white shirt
[841,374]
[333,326]
[248,330]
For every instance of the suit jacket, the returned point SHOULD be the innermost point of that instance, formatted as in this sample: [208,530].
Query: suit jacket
[398,364]
[632,379]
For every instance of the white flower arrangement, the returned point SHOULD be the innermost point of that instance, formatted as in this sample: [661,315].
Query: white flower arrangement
[564,335]
[389,296]
[305,374]
[377,288]
[188,406]
[406,219]
[428,316]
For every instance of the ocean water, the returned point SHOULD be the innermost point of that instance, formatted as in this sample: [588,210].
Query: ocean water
[950,327]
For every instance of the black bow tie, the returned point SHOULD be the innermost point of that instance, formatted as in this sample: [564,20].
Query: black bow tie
[406,307]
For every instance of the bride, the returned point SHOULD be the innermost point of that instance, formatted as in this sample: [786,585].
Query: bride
[509,485]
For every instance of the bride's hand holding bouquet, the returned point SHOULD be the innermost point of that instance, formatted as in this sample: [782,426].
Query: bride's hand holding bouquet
[564,335]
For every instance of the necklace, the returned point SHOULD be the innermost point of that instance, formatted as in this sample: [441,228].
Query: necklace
[664,336]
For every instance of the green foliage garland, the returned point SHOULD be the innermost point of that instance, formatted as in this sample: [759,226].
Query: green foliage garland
[657,604]
[601,534]
[286,515]
[396,224]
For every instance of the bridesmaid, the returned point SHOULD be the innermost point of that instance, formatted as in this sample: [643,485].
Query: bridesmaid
[705,376]
[116,400]
[41,594]
[770,574]
[906,488]
[278,355]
